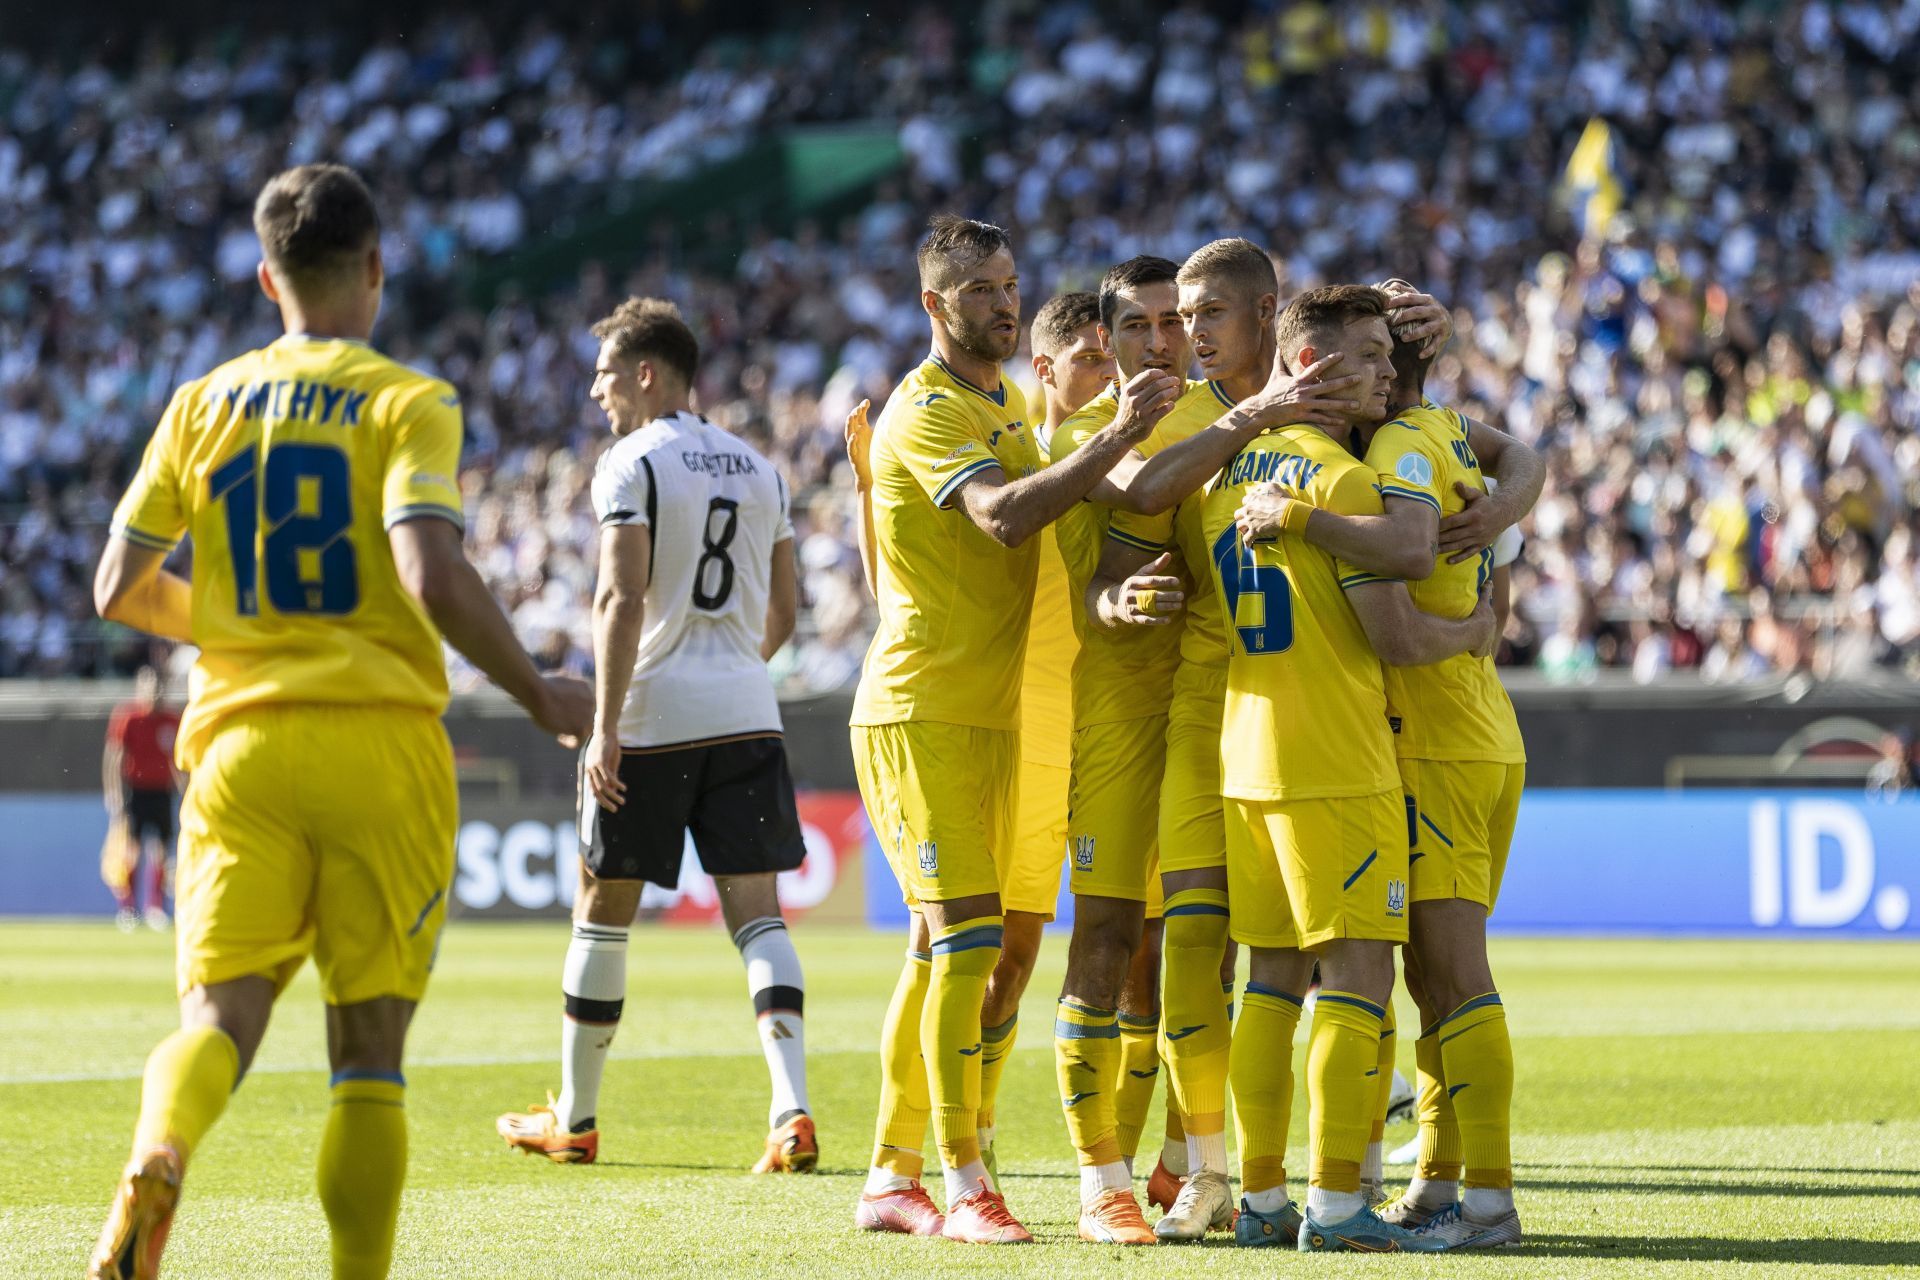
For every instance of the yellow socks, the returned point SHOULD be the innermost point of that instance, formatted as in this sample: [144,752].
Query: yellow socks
[189,1077]
[1139,1066]
[1383,1080]
[1086,1058]
[963,958]
[1478,1059]
[996,1043]
[363,1164]
[1342,1059]
[1439,1132]
[904,1104]
[1262,1069]
[1196,1016]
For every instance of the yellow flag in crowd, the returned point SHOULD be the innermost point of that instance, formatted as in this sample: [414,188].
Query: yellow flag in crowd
[1594,189]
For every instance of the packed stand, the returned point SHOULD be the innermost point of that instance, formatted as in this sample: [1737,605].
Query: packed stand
[1725,377]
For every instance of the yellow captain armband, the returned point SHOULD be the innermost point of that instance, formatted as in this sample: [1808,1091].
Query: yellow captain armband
[1294,517]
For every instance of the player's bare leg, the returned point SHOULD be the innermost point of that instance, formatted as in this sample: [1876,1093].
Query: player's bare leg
[750,905]
[1459,1005]
[594,988]
[893,1199]
[1000,1015]
[363,1153]
[188,1079]
[1106,932]
[966,942]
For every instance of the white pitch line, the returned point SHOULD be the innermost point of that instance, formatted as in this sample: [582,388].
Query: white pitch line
[418,1064]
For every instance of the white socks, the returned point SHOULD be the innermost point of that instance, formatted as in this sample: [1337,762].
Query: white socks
[1329,1207]
[1433,1195]
[1209,1153]
[1485,1204]
[1371,1168]
[594,982]
[774,978]
[965,1181]
[1098,1178]
[1272,1200]
[881,1181]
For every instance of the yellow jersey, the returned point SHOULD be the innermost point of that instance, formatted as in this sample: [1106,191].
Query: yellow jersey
[1203,638]
[1454,709]
[287,466]
[1306,706]
[1046,679]
[1128,672]
[954,604]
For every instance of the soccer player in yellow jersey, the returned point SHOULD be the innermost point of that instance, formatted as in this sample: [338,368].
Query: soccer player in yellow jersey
[316,478]
[1307,755]
[1123,682]
[1071,368]
[1226,299]
[1462,764]
[958,495]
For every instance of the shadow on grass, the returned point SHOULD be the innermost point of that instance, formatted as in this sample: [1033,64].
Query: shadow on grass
[1704,1187]
[1835,1252]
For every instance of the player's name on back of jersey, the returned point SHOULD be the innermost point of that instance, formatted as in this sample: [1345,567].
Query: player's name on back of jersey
[1289,470]
[293,400]
[718,464]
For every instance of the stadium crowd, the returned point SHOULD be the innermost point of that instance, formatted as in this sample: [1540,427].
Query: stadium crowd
[1725,374]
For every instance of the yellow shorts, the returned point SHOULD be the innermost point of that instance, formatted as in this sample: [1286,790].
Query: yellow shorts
[941,798]
[1112,820]
[1343,861]
[1192,815]
[1030,875]
[1460,819]
[1258,913]
[318,830]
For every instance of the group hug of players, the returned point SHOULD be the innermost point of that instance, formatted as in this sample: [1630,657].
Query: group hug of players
[1226,644]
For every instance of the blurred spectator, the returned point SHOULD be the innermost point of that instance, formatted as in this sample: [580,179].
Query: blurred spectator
[1725,378]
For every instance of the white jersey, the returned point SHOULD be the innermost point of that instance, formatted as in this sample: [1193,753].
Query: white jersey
[715,509]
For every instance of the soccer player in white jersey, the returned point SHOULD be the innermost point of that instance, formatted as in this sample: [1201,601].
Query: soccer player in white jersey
[697,590]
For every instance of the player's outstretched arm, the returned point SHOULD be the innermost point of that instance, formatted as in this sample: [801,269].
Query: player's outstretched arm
[859,452]
[1519,473]
[1403,636]
[1011,511]
[1149,486]
[130,587]
[1133,587]
[783,599]
[433,568]
[1400,544]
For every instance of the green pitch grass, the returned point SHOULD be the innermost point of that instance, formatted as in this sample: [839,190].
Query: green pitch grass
[1683,1109]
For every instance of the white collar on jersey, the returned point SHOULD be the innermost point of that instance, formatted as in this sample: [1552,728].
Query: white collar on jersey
[318,337]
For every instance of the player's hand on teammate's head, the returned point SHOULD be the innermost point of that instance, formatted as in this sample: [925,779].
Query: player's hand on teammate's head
[1417,317]
[1470,530]
[860,444]
[1145,398]
[602,767]
[1317,394]
[1266,511]
[1154,596]
[565,708]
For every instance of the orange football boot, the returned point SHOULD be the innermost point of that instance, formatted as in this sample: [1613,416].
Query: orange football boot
[138,1222]
[538,1130]
[792,1148]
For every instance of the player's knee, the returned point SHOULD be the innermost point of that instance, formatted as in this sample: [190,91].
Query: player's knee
[370,1035]
[607,902]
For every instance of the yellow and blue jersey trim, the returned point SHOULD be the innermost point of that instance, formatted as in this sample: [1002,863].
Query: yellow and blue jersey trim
[1138,544]
[998,397]
[141,538]
[1397,491]
[945,492]
[414,510]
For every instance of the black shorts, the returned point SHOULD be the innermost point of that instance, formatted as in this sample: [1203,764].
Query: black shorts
[736,797]
[149,811]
